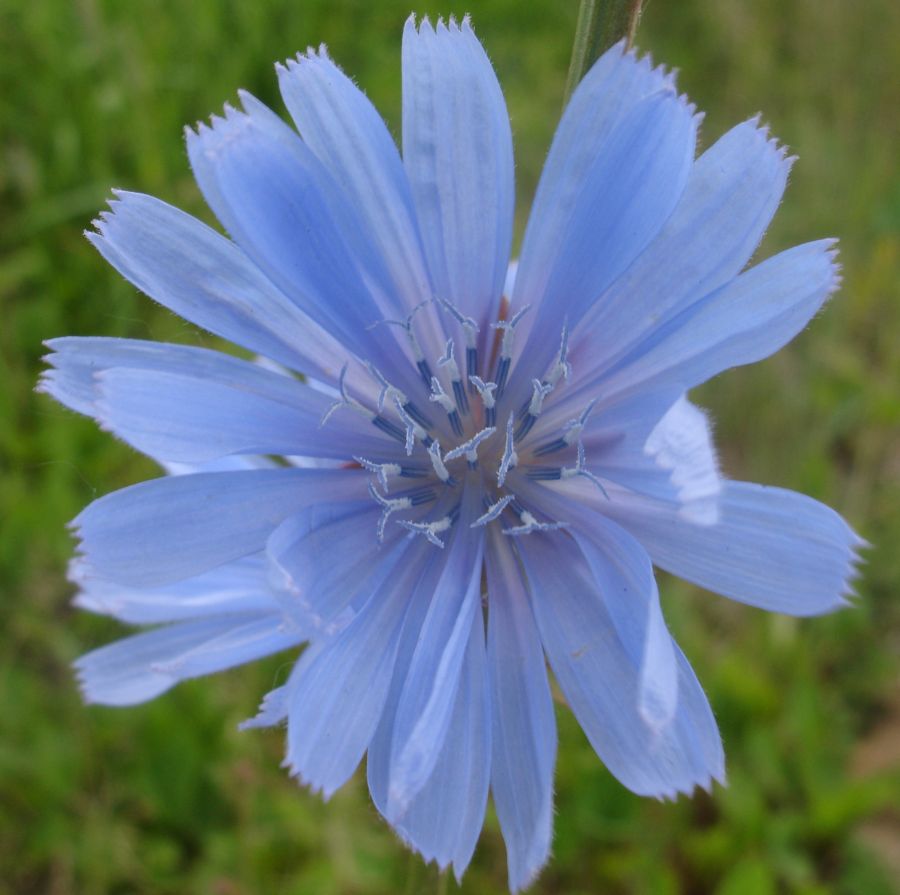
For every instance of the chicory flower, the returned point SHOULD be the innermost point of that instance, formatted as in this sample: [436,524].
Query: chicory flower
[450,471]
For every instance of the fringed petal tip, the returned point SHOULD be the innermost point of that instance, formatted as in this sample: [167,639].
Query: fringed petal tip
[451,26]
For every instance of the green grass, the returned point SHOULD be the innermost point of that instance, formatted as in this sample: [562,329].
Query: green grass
[168,798]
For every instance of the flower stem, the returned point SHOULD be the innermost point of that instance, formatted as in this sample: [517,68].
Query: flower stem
[600,24]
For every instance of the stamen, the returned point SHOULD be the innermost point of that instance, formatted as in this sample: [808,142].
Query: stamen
[440,470]
[382,470]
[429,529]
[541,390]
[494,511]
[503,365]
[470,328]
[413,429]
[510,458]
[562,369]
[486,391]
[470,447]
[389,505]
[418,496]
[459,393]
[544,473]
[439,396]
[418,354]
[530,525]
[580,470]
[572,433]
[388,392]
[346,401]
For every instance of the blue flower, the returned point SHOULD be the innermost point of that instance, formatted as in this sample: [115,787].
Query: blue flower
[480,464]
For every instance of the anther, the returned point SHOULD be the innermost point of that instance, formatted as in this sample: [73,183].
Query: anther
[413,429]
[418,354]
[541,390]
[508,327]
[562,369]
[571,433]
[486,391]
[429,529]
[388,392]
[580,469]
[448,361]
[530,525]
[470,328]
[470,447]
[388,505]
[440,470]
[382,470]
[439,396]
[493,511]
[346,401]
[509,458]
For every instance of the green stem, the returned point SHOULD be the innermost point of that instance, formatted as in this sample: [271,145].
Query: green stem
[600,24]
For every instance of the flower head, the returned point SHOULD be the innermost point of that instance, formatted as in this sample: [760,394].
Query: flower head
[480,465]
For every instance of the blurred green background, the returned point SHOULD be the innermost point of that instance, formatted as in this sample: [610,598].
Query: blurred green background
[169,797]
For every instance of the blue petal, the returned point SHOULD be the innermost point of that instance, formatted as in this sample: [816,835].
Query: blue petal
[605,96]
[599,672]
[239,586]
[623,200]
[328,557]
[523,723]
[341,684]
[624,578]
[191,405]
[426,702]
[731,195]
[205,278]
[167,529]
[457,149]
[743,322]
[771,548]
[141,667]
[444,820]
[348,136]
[674,462]
[290,216]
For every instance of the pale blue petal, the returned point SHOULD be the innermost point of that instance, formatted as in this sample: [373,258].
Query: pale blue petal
[273,710]
[290,216]
[141,667]
[348,136]
[160,531]
[444,820]
[624,578]
[328,557]
[624,199]
[522,718]
[239,586]
[731,195]
[378,761]
[771,548]
[426,703]
[205,278]
[341,685]
[674,462]
[743,322]
[605,96]
[599,673]
[181,404]
[457,149]
[235,408]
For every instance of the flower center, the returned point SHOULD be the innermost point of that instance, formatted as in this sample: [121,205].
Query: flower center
[467,428]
